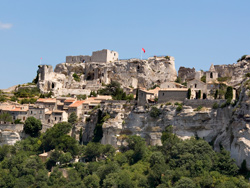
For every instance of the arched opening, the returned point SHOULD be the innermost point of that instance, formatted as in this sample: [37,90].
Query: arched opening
[53,85]
[90,76]
[204,96]
[211,75]
[138,67]
[195,85]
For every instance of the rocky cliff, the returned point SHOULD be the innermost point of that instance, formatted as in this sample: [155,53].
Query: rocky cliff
[84,77]
[228,127]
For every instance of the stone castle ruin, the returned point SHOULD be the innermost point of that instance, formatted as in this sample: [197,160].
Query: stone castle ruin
[94,71]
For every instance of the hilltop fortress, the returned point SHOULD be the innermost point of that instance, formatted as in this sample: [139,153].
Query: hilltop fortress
[82,74]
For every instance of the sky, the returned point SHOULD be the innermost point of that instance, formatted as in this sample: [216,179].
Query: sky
[195,32]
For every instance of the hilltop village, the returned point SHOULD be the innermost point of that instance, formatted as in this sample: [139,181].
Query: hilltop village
[140,97]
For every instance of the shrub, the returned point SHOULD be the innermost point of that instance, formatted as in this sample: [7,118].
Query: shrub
[215,105]
[168,103]
[178,80]
[176,103]
[198,108]
[154,112]
[81,97]
[242,58]
[223,79]
[179,108]
[76,77]
[247,74]
[203,79]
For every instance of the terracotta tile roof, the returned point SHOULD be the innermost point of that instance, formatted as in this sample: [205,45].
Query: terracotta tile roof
[152,91]
[57,111]
[70,100]
[48,113]
[174,89]
[48,100]
[76,104]
[19,109]
[103,97]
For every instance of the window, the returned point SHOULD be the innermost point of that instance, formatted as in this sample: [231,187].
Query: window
[23,118]
[40,111]
[60,118]
[211,75]
[162,94]
[114,54]
[31,112]
[55,118]
[195,85]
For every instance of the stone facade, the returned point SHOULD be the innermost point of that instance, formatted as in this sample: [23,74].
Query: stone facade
[167,95]
[97,56]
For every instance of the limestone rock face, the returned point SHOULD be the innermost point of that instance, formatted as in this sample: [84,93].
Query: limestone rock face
[9,137]
[235,71]
[186,74]
[130,73]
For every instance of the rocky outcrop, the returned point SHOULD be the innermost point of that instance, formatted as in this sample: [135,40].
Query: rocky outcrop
[235,72]
[130,73]
[9,137]
[186,74]
[10,134]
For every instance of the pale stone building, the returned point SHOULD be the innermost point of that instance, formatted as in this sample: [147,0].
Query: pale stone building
[211,75]
[172,94]
[103,56]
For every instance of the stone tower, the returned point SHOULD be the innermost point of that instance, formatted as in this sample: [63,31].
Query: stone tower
[211,75]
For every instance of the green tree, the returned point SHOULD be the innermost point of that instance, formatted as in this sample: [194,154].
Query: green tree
[229,93]
[72,118]
[32,126]
[189,93]
[154,112]
[185,183]
[216,94]
[178,80]
[199,94]
[5,117]
[92,181]
[203,79]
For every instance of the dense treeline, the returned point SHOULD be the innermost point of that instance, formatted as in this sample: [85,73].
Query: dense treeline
[190,163]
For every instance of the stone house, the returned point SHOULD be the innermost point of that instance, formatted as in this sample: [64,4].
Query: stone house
[167,85]
[147,96]
[68,102]
[197,85]
[172,94]
[56,116]
[76,107]
[38,113]
[48,103]
[16,111]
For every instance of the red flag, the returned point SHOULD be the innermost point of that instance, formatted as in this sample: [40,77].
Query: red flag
[41,58]
[143,50]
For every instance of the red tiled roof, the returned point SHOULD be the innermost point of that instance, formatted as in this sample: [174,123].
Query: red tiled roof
[69,100]
[76,104]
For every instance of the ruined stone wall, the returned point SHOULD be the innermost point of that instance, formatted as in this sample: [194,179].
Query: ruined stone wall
[194,103]
[77,59]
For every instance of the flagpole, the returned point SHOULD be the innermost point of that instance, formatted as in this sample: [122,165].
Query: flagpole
[141,54]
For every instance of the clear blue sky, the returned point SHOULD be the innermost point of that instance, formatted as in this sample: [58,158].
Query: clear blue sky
[195,32]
